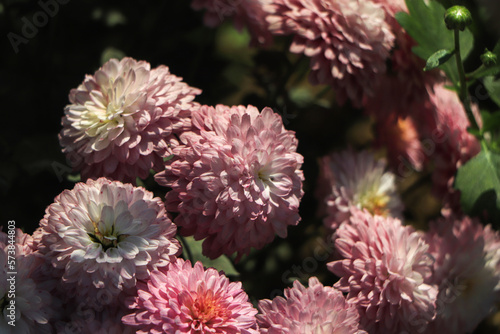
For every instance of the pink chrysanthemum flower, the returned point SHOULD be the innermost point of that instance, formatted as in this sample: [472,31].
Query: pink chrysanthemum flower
[183,299]
[402,141]
[383,270]
[467,271]
[456,146]
[106,235]
[348,41]
[245,13]
[25,305]
[237,182]
[317,309]
[121,120]
[356,180]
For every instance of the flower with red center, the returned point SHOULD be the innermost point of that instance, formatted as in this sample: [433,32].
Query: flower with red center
[122,120]
[186,299]
[25,304]
[467,271]
[348,41]
[317,309]
[383,271]
[350,180]
[105,235]
[245,13]
[237,180]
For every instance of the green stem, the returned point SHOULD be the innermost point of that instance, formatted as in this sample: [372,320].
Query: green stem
[464,96]
[185,246]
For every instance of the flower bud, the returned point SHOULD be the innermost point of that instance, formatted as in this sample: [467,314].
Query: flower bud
[457,17]
[489,58]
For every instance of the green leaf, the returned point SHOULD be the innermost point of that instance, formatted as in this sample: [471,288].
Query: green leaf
[221,263]
[479,183]
[425,23]
[438,58]
[491,121]
[493,88]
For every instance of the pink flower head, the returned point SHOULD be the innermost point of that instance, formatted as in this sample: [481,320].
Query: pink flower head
[400,137]
[182,299]
[237,182]
[384,270]
[317,309]
[121,120]
[245,13]
[455,147]
[23,301]
[356,180]
[105,235]
[467,271]
[348,41]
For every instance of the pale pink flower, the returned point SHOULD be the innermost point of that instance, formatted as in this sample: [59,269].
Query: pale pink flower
[317,309]
[383,270]
[350,180]
[237,182]
[105,235]
[23,301]
[245,13]
[456,146]
[467,271]
[185,299]
[348,41]
[121,120]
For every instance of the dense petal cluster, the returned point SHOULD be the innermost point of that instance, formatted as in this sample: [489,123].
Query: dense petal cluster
[348,41]
[467,271]
[121,120]
[456,146]
[25,305]
[237,180]
[356,180]
[245,13]
[187,299]
[383,270]
[105,235]
[317,309]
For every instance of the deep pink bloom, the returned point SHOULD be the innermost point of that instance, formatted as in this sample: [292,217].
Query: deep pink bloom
[350,180]
[121,120]
[245,13]
[383,270]
[348,41]
[317,309]
[467,271]
[183,299]
[24,302]
[455,147]
[237,181]
[105,235]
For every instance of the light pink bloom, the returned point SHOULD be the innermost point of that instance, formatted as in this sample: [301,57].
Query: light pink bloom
[182,299]
[23,301]
[237,182]
[105,235]
[317,309]
[350,180]
[456,146]
[245,13]
[348,41]
[467,271]
[121,120]
[383,270]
